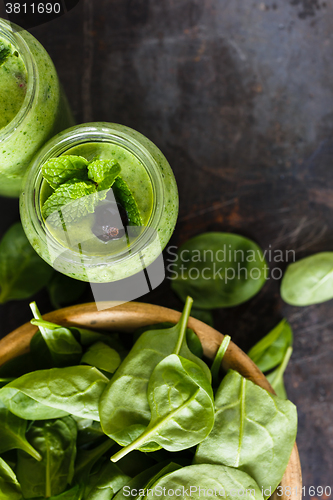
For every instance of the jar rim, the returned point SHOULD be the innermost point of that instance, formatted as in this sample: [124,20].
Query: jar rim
[16,39]
[86,133]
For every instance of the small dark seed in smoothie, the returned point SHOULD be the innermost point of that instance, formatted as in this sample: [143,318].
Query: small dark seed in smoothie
[107,221]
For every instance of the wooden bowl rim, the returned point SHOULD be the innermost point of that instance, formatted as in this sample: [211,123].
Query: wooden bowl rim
[131,315]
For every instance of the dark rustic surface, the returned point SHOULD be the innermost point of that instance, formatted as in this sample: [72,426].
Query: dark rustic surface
[239,97]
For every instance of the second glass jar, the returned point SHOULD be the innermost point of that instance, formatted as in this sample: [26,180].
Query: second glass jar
[33,106]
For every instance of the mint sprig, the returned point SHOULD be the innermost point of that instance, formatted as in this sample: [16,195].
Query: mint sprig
[80,185]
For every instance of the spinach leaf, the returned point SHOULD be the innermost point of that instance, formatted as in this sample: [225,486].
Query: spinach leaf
[124,408]
[193,480]
[102,357]
[194,343]
[27,408]
[64,290]
[86,459]
[55,393]
[22,272]
[10,488]
[89,432]
[61,343]
[17,366]
[219,270]
[89,337]
[270,351]
[182,408]
[254,431]
[59,170]
[218,359]
[40,353]
[140,481]
[136,462]
[84,336]
[275,378]
[12,433]
[203,315]
[158,326]
[309,281]
[5,381]
[171,467]
[104,484]
[192,339]
[56,442]
[72,494]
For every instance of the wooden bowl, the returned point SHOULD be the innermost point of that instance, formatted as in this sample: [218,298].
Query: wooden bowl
[132,315]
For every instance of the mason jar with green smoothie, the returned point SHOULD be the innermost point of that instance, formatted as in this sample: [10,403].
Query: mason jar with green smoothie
[99,203]
[33,107]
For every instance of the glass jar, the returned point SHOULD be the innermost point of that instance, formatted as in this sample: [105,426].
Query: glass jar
[43,112]
[146,171]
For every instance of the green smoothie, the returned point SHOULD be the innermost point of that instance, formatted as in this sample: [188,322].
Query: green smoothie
[33,107]
[13,83]
[93,227]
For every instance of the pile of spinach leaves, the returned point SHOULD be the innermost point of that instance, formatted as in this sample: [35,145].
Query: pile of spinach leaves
[93,416]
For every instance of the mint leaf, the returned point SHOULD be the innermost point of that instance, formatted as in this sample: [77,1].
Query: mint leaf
[73,199]
[103,172]
[124,197]
[59,170]
[5,52]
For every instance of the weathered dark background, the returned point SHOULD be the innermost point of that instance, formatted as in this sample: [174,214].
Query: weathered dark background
[239,96]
